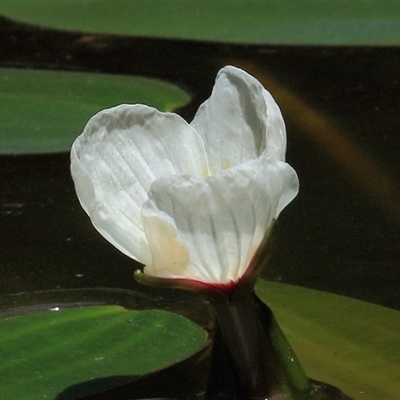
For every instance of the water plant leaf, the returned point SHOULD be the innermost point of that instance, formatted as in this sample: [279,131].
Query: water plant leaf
[46,352]
[44,111]
[348,343]
[274,22]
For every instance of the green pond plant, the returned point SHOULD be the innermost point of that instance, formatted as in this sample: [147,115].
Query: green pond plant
[196,205]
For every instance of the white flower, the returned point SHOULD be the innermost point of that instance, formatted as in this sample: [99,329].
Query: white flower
[188,201]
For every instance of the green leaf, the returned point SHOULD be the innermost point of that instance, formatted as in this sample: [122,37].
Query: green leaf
[254,21]
[345,342]
[44,111]
[46,352]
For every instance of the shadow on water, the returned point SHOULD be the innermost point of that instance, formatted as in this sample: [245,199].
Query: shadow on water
[184,380]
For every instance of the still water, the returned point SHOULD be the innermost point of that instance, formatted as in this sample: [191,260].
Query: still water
[341,105]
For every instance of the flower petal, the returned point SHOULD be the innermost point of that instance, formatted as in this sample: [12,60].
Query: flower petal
[114,162]
[167,248]
[220,221]
[239,121]
[276,129]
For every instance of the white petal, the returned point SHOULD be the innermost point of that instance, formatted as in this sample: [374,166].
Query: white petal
[169,254]
[114,162]
[239,121]
[220,221]
[276,130]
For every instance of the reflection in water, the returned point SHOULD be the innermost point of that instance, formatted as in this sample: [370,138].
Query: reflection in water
[358,165]
[11,208]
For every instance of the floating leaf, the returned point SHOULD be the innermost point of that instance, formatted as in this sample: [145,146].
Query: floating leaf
[44,111]
[46,352]
[345,342]
[273,22]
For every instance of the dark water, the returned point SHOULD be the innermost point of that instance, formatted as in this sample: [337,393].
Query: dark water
[341,106]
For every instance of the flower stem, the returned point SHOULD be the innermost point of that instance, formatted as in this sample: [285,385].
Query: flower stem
[260,361]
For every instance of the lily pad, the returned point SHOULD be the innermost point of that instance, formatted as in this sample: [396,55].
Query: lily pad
[44,111]
[46,352]
[345,342]
[273,22]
